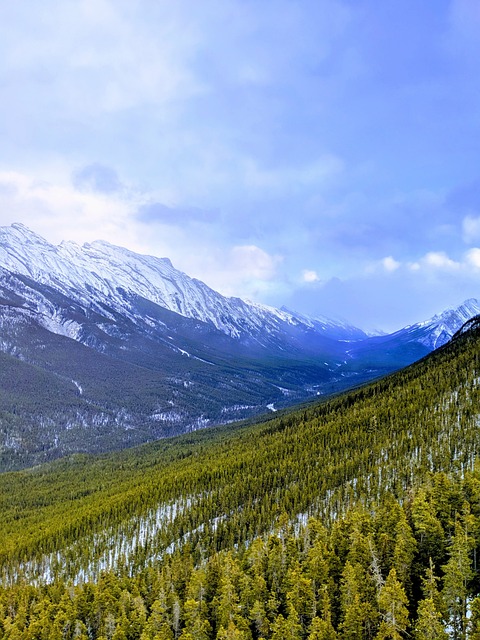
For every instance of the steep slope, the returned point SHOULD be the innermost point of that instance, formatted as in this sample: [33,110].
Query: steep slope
[439,329]
[153,352]
[356,518]
[219,488]
[132,386]
[103,273]
[129,381]
[389,352]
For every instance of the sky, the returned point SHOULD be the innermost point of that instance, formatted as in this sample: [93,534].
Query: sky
[322,155]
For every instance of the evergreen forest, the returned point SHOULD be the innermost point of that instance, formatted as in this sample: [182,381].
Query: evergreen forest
[353,518]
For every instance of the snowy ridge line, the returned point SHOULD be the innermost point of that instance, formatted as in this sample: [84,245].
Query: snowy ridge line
[115,275]
[107,278]
[444,325]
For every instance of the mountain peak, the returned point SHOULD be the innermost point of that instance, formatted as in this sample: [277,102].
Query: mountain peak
[441,327]
[20,231]
[461,313]
[108,271]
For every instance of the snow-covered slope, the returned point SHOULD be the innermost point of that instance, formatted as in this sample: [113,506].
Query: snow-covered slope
[389,352]
[339,329]
[101,272]
[101,348]
[443,326]
[110,279]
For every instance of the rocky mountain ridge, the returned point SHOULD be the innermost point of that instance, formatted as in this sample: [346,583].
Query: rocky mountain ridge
[102,348]
[102,272]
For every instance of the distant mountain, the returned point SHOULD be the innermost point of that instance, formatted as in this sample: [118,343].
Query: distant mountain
[438,330]
[103,274]
[103,348]
[413,342]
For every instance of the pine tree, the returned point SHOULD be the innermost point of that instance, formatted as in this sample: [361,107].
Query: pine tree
[429,625]
[259,618]
[197,626]
[356,613]
[392,603]
[120,633]
[157,623]
[322,630]
[428,531]
[232,632]
[227,605]
[286,629]
[300,596]
[458,573]
[80,631]
[404,551]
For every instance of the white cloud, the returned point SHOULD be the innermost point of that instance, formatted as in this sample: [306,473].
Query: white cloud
[387,264]
[60,212]
[435,261]
[390,264]
[192,97]
[439,260]
[103,56]
[246,271]
[267,113]
[431,262]
[310,276]
[253,262]
[473,258]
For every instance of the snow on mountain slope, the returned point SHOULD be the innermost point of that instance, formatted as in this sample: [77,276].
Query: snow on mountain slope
[106,348]
[440,328]
[103,272]
[108,279]
[337,328]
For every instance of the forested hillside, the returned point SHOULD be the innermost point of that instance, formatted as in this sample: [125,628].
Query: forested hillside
[397,570]
[355,518]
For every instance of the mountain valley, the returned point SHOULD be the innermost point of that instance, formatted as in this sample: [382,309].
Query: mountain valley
[318,523]
[102,349]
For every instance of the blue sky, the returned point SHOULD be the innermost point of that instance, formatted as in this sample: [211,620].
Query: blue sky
[318,154]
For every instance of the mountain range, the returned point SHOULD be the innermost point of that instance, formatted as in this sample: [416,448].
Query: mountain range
[102,348]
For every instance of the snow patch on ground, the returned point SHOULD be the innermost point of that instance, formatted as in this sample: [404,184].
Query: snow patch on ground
[79,387]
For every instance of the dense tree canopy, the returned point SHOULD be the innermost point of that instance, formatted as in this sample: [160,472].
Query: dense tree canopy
[355,518]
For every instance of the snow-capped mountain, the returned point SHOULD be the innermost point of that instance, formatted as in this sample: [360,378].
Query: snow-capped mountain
[396,350]
[103,273]
[443,326]
[102,348]
[438,330]
[107,348]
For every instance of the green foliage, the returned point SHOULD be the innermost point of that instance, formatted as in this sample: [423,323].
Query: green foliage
[263,590]
[322,523]
[223,487]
